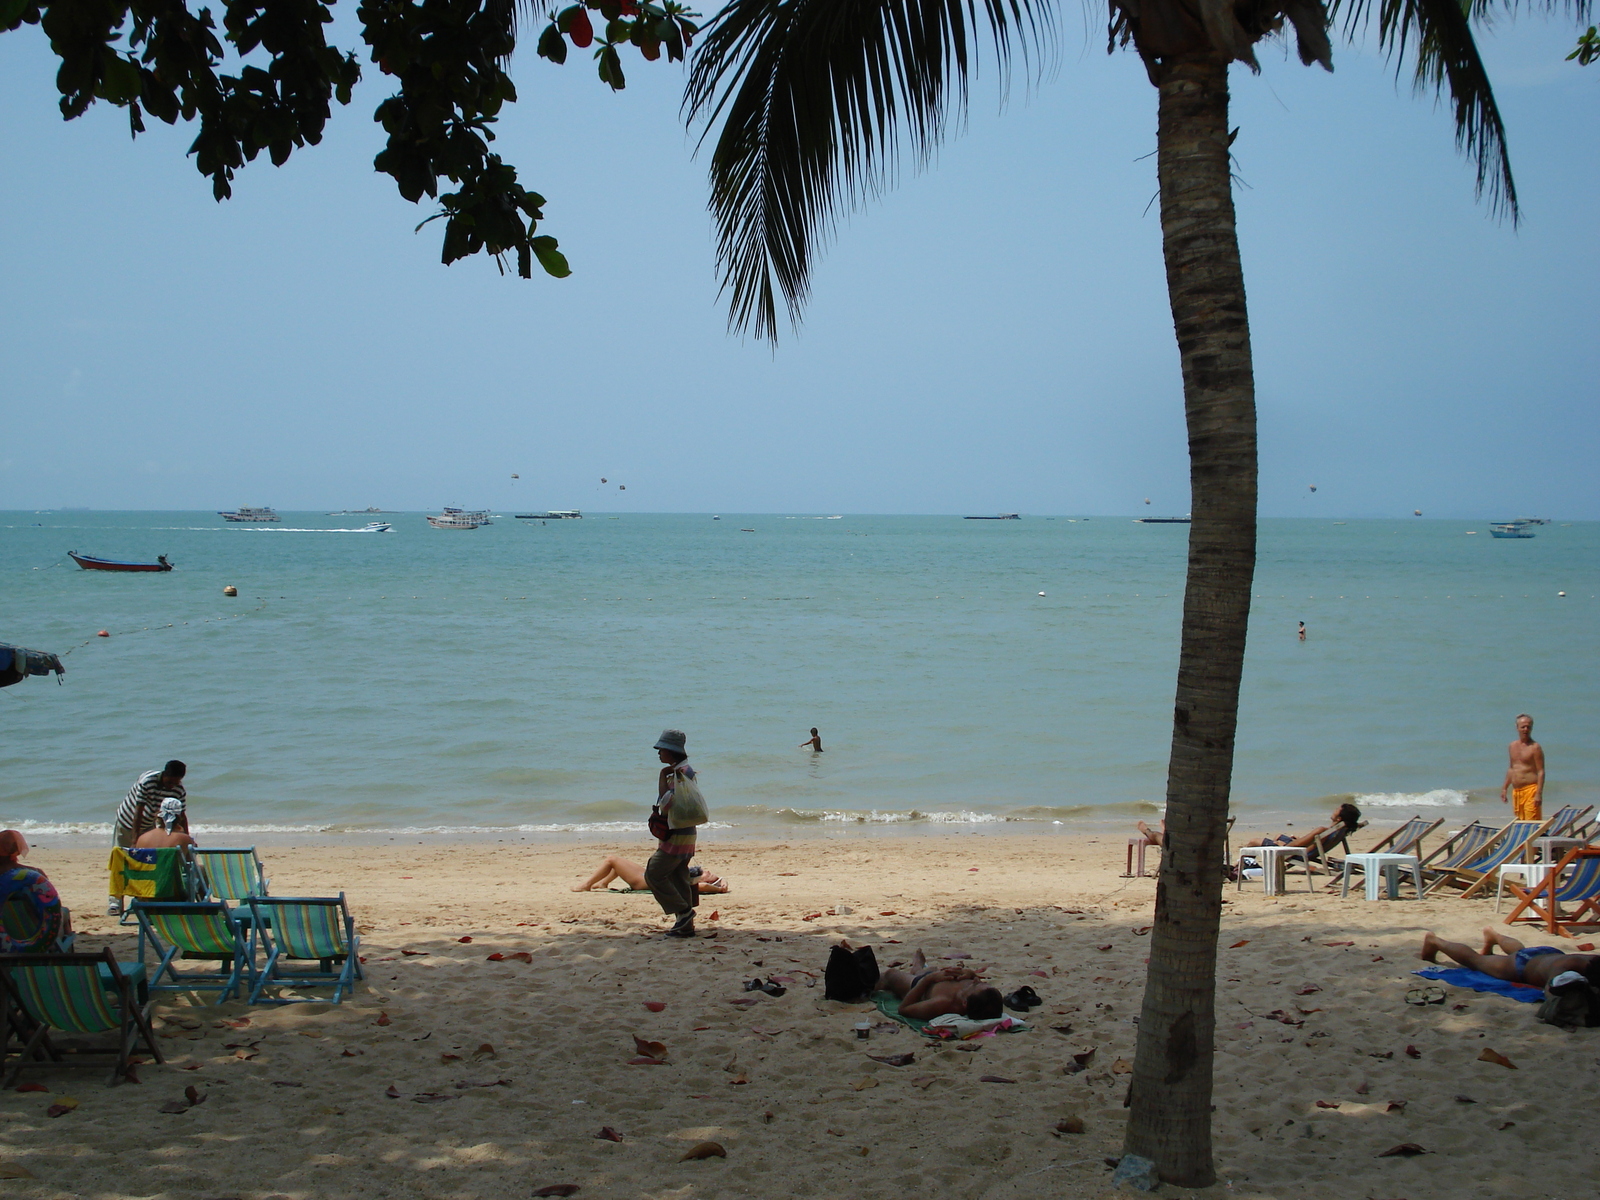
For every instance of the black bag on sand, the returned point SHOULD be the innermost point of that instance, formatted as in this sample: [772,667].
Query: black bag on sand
[850,975]
[1570,1005]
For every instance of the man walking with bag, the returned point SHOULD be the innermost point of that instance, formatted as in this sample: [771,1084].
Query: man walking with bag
[678,809]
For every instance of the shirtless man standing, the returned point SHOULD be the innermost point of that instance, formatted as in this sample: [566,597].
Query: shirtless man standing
[926,994]
[1525,775]
[1536,965]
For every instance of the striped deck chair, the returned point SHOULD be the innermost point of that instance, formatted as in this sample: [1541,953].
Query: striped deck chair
[190,930]
[1460,847]
[1475,875]
[1405,839]
[1579,885]
[232,875]
[306,928]
[77,994]
[1567,820]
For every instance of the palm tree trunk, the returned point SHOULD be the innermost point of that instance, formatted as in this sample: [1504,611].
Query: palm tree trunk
[1170,1098]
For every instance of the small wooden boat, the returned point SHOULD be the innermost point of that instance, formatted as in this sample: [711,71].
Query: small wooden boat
[89,563]
[1510,529]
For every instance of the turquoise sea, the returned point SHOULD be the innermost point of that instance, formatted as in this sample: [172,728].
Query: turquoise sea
[509,681]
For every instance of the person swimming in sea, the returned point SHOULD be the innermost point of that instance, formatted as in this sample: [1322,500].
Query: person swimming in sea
[814,741]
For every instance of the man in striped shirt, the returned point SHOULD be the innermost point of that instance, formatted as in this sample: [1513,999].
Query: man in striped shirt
[140,811]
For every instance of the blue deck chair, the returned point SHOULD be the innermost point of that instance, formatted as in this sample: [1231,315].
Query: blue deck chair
[204,930]
[1574,881]
[1462,846]
[1474,876]
[76,994]
[306,928]
[228,874]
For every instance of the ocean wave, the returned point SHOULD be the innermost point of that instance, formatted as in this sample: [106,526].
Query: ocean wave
[880,817]
[1437,798]
[97,829]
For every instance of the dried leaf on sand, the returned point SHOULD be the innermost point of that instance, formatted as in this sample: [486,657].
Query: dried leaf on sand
[1404,1150]
[649,1049]
[1497,1058]
[557,1189]
[608,1134]
[704,1150]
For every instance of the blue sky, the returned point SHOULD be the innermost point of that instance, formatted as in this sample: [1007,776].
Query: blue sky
[993,334]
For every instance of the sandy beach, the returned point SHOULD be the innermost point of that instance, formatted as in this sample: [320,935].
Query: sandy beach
[451,1076]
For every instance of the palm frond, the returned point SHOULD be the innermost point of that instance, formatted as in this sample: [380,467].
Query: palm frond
[1439,33]
[815,98]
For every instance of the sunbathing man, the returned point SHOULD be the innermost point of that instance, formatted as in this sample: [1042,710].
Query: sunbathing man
[166,834]
[1535,965]
[631,873]
[925,994]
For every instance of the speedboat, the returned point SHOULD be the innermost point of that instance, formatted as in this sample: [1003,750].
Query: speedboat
[375,527]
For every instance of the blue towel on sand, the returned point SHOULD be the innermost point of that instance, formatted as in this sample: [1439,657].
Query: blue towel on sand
[1465,977]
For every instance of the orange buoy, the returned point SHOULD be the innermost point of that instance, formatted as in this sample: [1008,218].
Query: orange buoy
[102,633]
[230,590]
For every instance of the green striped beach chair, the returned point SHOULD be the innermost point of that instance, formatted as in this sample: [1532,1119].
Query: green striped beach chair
[306,928]
[195,930]
[74,994]
[228,874]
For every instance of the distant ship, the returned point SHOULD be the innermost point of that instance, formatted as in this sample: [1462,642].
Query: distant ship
[1511,529]
[1162,520]
[457,518]
[356,512]
[996,517]
[250,515]
[555,514]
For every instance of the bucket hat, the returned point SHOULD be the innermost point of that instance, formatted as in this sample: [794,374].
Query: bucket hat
[672,739]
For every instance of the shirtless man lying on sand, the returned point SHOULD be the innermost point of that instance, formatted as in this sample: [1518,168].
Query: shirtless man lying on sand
[1535,965]
[925,994]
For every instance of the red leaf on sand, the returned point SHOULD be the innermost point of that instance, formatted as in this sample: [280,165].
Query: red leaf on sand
[412,953]
[608,1134]
[716,916]
[1308,990]
[972,868]
[392,1092]
[1236,945]
[1327,1104]
[1497,1058]
[237,1023]
[445,1058]
[1377,958]
[654,1005]
[383,1019]
[1585,945]
[651,1049]
[59,1110]
[890,913]
[1397,1106]
[1413,1052]
[345,1053]
[557,1189]
[812,917]
[1404,1150]
[463,939]
[1107,946]
[496,957]
[1040,974]
[33,1087]
[1338,943]
[1142,930]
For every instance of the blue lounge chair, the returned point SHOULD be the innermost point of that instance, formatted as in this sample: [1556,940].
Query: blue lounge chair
[1510,843]
[75,994]
[1574,881]
[306,928]
[204,930]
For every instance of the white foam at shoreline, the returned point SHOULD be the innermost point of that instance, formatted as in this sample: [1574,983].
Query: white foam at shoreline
[1438,798]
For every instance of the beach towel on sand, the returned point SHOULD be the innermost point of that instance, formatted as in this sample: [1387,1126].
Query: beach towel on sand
[1465,977]
[947,1026]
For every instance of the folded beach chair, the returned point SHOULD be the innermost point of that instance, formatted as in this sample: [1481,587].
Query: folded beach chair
[1574,881]
[306,928]
[75,994]
[1478,873]
[195,930]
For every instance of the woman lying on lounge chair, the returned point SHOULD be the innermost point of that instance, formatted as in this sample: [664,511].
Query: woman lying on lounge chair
[632,874]
[1347,815]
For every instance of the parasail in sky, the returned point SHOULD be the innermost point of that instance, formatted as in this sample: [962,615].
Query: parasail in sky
[602,479]
[1416,512]
[514,475]
[622,487]
[1147,499]
[1313,487]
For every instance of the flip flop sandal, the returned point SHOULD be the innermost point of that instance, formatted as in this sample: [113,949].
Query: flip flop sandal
[1422,997]
[754,985]
[1029,997]
[773,989]
[1434,995]
[1017,1002]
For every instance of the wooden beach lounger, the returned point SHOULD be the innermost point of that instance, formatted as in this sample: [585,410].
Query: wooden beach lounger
[1581,886]
[1476,874]
[77,994]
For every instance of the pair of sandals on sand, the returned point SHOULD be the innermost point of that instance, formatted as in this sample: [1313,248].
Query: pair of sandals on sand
[1023,999]
[1424,996]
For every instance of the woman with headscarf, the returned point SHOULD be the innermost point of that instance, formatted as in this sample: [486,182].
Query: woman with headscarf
[32,917]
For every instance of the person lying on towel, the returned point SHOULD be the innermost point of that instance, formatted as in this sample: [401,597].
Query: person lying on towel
[928,993]
[1516,963]
[614,866]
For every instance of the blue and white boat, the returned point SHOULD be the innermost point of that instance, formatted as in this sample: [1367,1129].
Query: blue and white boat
[1511,529]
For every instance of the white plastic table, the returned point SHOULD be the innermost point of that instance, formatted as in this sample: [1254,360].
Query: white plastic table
[1533,874]
[1274,860]
[1381,866]
[1551,849]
